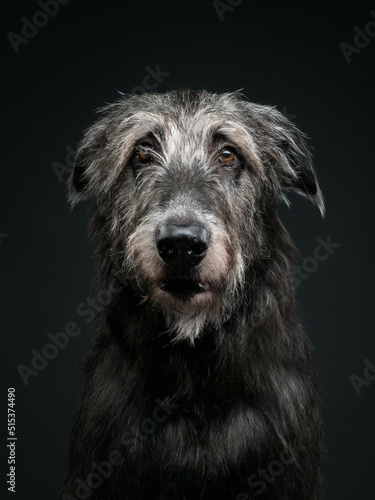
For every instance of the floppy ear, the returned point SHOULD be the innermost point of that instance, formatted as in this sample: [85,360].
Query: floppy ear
[87,162]
[288,153]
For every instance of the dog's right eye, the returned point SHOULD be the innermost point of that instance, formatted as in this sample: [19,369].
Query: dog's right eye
[228,157]
[144,154]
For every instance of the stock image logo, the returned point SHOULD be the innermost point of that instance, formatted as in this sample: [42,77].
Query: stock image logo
[222,7]
[362,38]
[368,376]
[30,27]
[87,309]
[3,236]
[151,80]
[309,265]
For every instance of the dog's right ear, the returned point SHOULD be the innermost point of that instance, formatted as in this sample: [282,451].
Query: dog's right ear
[95,165]
[83,159]
[87,163]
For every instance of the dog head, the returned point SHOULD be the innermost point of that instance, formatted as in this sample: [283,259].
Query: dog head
[183,186]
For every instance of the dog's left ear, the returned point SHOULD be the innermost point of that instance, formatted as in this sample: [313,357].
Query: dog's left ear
[288,153]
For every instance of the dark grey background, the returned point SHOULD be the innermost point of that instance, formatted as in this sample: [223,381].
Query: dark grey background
[283,55]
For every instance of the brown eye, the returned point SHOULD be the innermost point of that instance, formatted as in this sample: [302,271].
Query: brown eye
[228,157]
[144,154]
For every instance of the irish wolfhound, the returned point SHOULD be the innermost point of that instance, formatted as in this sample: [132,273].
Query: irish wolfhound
[200,383]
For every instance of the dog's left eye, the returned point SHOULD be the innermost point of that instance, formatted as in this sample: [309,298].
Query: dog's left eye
[228,157]
[144,154]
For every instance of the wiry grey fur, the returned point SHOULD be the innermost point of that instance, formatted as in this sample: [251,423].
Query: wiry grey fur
[233,359]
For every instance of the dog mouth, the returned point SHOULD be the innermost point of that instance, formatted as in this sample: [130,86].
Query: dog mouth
[183,288]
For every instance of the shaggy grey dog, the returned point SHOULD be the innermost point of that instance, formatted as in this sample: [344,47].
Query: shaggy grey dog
[200,383]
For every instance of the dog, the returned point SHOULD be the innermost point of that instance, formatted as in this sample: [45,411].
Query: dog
[199,380]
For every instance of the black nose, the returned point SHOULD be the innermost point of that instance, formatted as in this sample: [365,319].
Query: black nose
[182,246]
